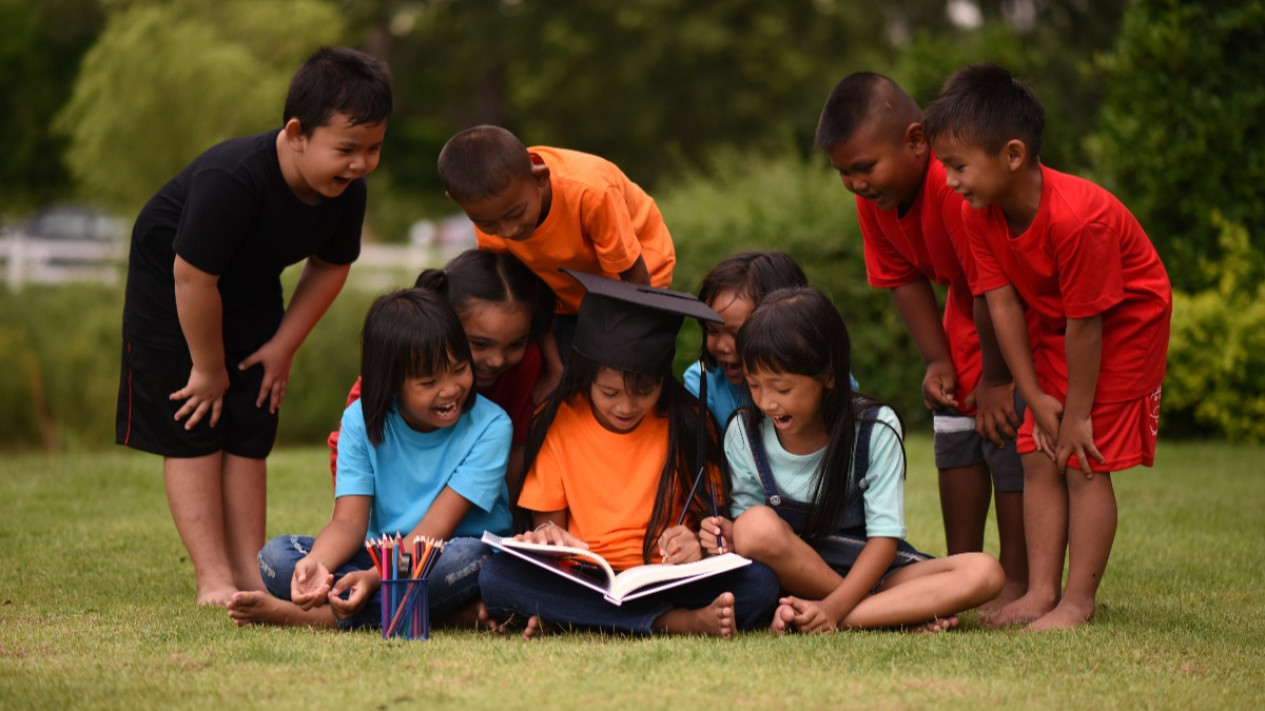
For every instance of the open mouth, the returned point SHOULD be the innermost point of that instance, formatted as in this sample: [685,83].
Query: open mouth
[733,371]
[781,422]
[446,411]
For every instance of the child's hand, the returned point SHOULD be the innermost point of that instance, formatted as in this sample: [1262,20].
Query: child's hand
[679,545]
[352,591]
[203,394]
[995,416]
[1046,411]
[1076,436]
[938,386]
[802,615]
[276,360]
[310,585]
[712,531]
[551,534]
[545,386]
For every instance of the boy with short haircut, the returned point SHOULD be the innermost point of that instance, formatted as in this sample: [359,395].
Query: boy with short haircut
[911,222]
[554,208]
[206,338]
[1090,362]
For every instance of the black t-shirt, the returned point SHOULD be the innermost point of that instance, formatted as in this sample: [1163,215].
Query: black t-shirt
[230,213]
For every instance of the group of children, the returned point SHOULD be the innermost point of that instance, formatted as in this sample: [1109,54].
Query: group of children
[527,388]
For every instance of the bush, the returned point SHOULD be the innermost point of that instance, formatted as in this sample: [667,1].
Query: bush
[748,201]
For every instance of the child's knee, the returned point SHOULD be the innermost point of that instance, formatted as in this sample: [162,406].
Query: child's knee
[759,532]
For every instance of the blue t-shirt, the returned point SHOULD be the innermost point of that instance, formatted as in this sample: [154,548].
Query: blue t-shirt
[722,397]
[409,469]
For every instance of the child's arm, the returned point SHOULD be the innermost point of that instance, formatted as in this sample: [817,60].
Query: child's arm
[201,314]
[341,539]
[1012,337]
[319,284]
[1084,357]
[995,415]
[551,368]
[919,309]
[825,616]
[638,273]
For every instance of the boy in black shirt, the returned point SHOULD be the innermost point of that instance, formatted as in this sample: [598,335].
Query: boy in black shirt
[207,340]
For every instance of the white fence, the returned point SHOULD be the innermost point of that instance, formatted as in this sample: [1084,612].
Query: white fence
[26,260]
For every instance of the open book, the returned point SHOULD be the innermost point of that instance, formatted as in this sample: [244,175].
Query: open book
[591,570]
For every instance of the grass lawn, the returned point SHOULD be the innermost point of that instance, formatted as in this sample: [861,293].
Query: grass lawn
[97,611]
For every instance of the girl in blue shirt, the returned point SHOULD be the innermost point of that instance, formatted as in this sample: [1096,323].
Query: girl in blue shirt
[420,454]
[818,485]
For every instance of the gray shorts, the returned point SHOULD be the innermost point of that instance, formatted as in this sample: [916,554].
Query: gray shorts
[958,445]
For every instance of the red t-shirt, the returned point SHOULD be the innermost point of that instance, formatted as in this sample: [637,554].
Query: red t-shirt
[511,391]
[928,241]
[1084,255]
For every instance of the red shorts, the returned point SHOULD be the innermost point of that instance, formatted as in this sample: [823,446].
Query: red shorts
[1124,432]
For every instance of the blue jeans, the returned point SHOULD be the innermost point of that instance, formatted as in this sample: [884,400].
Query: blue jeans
[453,582]
[511,585]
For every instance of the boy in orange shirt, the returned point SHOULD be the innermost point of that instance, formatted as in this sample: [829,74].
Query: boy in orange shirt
[1091,359]
[553,208]
[911,222]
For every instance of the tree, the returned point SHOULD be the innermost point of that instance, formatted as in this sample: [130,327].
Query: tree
[165,81]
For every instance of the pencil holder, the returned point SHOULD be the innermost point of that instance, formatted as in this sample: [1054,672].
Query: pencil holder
[405,609]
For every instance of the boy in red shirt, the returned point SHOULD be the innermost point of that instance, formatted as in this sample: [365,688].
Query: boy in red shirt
[912,225]
[553,208]
[1091,360]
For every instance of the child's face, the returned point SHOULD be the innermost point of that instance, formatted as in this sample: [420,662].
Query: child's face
[326,161]
[513,214]
[980,177]
[881,166]
[793,402]
[719,337]
[498,338]
[434,401]
[615,408]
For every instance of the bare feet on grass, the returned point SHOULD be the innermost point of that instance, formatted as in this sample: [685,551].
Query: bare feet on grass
[472,614]
[535,627]
[218,596]
[1011,591]
[251,607]
[940,624]
[1021,611]
[715,620]
[1065,616]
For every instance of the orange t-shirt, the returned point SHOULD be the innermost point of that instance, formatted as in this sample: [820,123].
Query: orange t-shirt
[605,481]
[599,222]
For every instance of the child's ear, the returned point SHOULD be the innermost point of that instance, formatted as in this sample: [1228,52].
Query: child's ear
[1016,153]
[828,382]
[916,138]
[294,135]
[540,174]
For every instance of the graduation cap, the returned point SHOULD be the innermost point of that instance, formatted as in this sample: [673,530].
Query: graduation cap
[632,327]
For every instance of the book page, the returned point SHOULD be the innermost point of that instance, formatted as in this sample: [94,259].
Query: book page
[635,579]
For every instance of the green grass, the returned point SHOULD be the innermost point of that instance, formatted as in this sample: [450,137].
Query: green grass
[97,611]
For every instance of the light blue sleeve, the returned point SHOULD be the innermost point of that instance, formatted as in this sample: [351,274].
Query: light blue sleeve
[355,456]
[885,493]
[744,475]
[691,378]
[480,477]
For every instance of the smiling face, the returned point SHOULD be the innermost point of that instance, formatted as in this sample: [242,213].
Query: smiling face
[980,177]
[497,332]
[794,403]
[720,337]
[882,165]
[323,163]
[516,211]
[615,407]
[434,401]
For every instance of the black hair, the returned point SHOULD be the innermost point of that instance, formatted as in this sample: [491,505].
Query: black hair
[676,480]
[984,105]
[858,98]
[750,274]
[481,162]
[413,333]
[339,80]
[480,275]
[799,331]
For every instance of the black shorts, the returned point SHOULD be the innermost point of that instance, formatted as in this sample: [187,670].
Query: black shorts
[146,416]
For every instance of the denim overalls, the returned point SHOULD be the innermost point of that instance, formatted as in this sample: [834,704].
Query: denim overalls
[842,548]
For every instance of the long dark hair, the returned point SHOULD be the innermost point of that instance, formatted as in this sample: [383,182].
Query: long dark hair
[752,275]
[479,275]
[684,415]
[799,331]
[412,333]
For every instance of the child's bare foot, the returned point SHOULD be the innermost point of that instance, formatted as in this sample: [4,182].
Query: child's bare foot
[1027,608]
[715,620]
[216,596]
[536,627]
[939,624]
[1065,615]
[783,620]
[1011,591]
[472,614]
[252,607]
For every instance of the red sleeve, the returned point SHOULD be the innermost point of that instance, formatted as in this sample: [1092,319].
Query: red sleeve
[885,266]
[1091,270]
[352,396]
[988,274]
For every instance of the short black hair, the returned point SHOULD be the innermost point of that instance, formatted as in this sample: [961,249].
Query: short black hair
[408,334]
[984,105]
[339,80]
[481,162]
[478,275]
[856,99]
[751,274]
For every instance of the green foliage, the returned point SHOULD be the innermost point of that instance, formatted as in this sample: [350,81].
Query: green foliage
[1216,370]
[165,81]
[1182,132]
[746,200]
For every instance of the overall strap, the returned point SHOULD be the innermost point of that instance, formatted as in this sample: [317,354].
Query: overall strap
[755,440]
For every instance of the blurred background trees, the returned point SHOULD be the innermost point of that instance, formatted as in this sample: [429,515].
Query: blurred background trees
[711,106]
